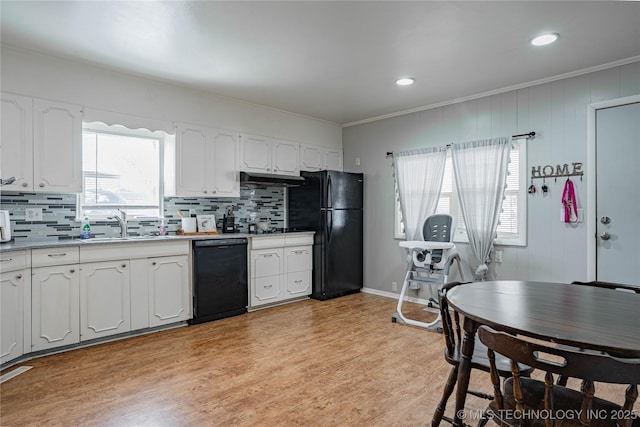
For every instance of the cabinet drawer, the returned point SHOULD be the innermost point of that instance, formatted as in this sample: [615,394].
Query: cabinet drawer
[297,284]
[266,262]
[298,240]
[265,290]
[297,258]
[267,242]
[55,256]
[14,260]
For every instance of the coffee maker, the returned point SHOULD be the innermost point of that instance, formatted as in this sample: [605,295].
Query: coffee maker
[5,226]
[229,221]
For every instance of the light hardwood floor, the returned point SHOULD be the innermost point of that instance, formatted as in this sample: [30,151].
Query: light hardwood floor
[340,362]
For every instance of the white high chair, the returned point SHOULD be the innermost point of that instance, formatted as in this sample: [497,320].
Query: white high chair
[428,263]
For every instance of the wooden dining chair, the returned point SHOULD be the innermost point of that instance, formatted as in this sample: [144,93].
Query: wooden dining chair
[610,285]
[528,402]
[562,380]
[452,354]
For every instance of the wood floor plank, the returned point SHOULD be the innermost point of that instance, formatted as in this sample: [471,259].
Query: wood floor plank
[340,362]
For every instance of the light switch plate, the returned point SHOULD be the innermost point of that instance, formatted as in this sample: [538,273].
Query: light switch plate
[33,214]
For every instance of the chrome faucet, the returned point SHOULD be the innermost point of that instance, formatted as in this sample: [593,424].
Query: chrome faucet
[122,221]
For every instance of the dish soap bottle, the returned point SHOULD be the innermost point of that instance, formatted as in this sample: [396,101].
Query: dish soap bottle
[162,231]
[85,232]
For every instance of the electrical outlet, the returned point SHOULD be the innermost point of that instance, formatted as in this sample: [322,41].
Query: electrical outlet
[33,214]
[394,286]
[357,161]
[497,256]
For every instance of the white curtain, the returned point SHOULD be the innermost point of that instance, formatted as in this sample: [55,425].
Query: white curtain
[418,176]
[480,171]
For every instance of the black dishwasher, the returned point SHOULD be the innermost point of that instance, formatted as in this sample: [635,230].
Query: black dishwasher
[219,279]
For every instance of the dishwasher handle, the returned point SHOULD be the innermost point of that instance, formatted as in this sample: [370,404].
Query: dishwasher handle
[220,242]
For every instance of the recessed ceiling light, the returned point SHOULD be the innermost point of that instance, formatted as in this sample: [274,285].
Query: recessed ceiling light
[405,81]
[544,39]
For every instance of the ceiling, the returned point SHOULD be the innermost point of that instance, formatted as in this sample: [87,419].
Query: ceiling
[338,60]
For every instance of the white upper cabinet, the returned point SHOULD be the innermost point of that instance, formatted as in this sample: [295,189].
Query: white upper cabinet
[16,143]
[41,145]
[263,154]
[285,157]
[206,162]
[333,160]
[57,147]
[316,158]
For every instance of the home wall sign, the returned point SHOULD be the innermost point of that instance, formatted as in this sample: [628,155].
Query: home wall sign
[557,171]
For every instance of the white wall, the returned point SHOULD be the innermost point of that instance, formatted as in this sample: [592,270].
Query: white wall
[556,111]
[57,79]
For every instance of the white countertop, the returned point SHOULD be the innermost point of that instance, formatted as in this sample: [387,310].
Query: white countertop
[22,244]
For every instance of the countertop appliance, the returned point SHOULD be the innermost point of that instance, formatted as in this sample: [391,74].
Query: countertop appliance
[5,226]
[220,287]
[330,203]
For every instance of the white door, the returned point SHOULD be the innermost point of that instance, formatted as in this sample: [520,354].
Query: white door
[12,326]
[168,281]
[16,142]
[255,153]
[286,158]
[618,196]
[226,181]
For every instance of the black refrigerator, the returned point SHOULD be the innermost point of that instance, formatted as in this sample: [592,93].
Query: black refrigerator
[330,203]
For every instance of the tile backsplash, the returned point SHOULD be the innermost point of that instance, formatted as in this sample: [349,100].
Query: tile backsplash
[261,202]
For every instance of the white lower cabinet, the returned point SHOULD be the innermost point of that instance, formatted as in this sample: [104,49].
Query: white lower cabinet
[168,281]
[105,307]
[55,306]
[15,290]
[280,268]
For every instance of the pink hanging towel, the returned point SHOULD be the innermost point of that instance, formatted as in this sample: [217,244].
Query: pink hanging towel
[569,202]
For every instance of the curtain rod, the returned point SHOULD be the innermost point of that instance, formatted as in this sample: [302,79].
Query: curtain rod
[522,135]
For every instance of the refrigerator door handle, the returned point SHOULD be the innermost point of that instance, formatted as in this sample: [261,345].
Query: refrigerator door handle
[329,224]
[329,192]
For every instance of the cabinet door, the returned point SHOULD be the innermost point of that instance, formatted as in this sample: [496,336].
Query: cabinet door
[16,156]
[311,158]
[192,161]
[12,304]
[333,160]
[265,290]
[286,158]
[266,262]
[57,146]
[255,153]
[104,299]
[55,310]
[168,281]
[224,148]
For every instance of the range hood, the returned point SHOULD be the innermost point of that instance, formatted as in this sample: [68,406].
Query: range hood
[265,178]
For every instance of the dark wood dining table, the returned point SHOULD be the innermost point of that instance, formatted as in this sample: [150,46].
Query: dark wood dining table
[580,316]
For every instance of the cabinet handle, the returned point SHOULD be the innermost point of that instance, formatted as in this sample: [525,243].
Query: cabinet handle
[19,276]
[267,255]
[41,184]
[24,184]
[298,252]
[268,286]
[297,281]
[124,265]
[72,271]
[56,255]
[268,169]
[214,191]
[153,263]
[6,260]
[205,191]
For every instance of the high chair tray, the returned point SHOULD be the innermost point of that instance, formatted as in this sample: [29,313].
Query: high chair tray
[421,244]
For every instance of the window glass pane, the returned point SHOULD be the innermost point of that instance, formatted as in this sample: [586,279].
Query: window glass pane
[120,171]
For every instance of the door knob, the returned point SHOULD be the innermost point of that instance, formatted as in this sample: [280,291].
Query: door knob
[605,220]
[605,236]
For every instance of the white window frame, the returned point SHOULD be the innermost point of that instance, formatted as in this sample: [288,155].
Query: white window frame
[503,239]
[139,133]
